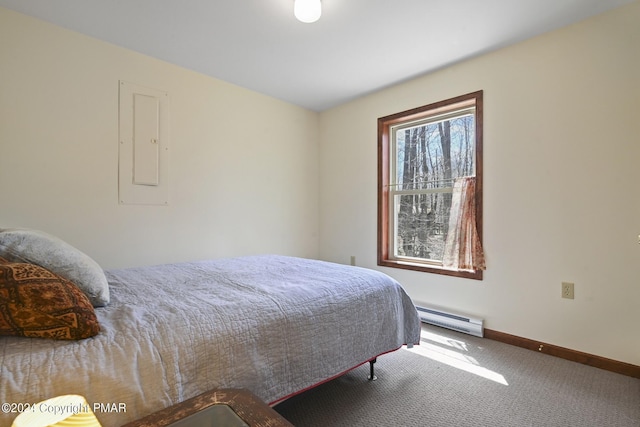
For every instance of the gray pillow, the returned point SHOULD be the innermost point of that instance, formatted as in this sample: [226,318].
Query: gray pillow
[38,247]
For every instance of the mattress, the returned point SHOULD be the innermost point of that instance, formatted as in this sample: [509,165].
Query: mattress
[275,325]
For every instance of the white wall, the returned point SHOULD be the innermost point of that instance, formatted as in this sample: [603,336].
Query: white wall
[243,166]
[561,185]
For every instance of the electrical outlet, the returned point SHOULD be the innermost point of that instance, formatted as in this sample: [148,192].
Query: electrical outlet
[567,290]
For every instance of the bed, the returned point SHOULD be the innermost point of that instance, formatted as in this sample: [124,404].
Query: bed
[276,325]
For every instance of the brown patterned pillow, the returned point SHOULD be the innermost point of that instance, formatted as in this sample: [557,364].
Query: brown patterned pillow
[35,302]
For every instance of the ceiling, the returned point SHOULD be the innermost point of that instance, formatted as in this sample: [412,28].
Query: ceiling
[357,46]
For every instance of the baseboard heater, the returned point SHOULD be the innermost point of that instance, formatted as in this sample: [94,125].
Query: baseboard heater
[456,322]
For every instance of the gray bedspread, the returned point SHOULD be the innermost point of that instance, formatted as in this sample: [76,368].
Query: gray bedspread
[272,324]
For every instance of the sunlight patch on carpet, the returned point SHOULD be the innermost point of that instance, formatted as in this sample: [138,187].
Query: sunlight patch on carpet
[434,347]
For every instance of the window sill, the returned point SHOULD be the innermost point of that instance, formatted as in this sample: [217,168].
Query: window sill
[467,274]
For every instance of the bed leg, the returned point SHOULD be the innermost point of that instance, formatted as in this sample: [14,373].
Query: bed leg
[372,377]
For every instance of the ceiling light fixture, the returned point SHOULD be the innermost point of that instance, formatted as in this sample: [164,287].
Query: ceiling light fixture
[307,10]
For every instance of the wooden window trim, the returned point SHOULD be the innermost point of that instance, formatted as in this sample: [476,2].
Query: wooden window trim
[384,125]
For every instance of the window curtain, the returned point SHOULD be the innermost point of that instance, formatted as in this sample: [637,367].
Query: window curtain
[462,249]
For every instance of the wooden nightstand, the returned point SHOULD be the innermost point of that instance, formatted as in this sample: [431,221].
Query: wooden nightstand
[245,410]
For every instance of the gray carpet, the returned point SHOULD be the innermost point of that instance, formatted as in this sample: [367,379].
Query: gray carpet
[454,379]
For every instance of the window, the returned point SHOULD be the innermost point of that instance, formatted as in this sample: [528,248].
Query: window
[427,158]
